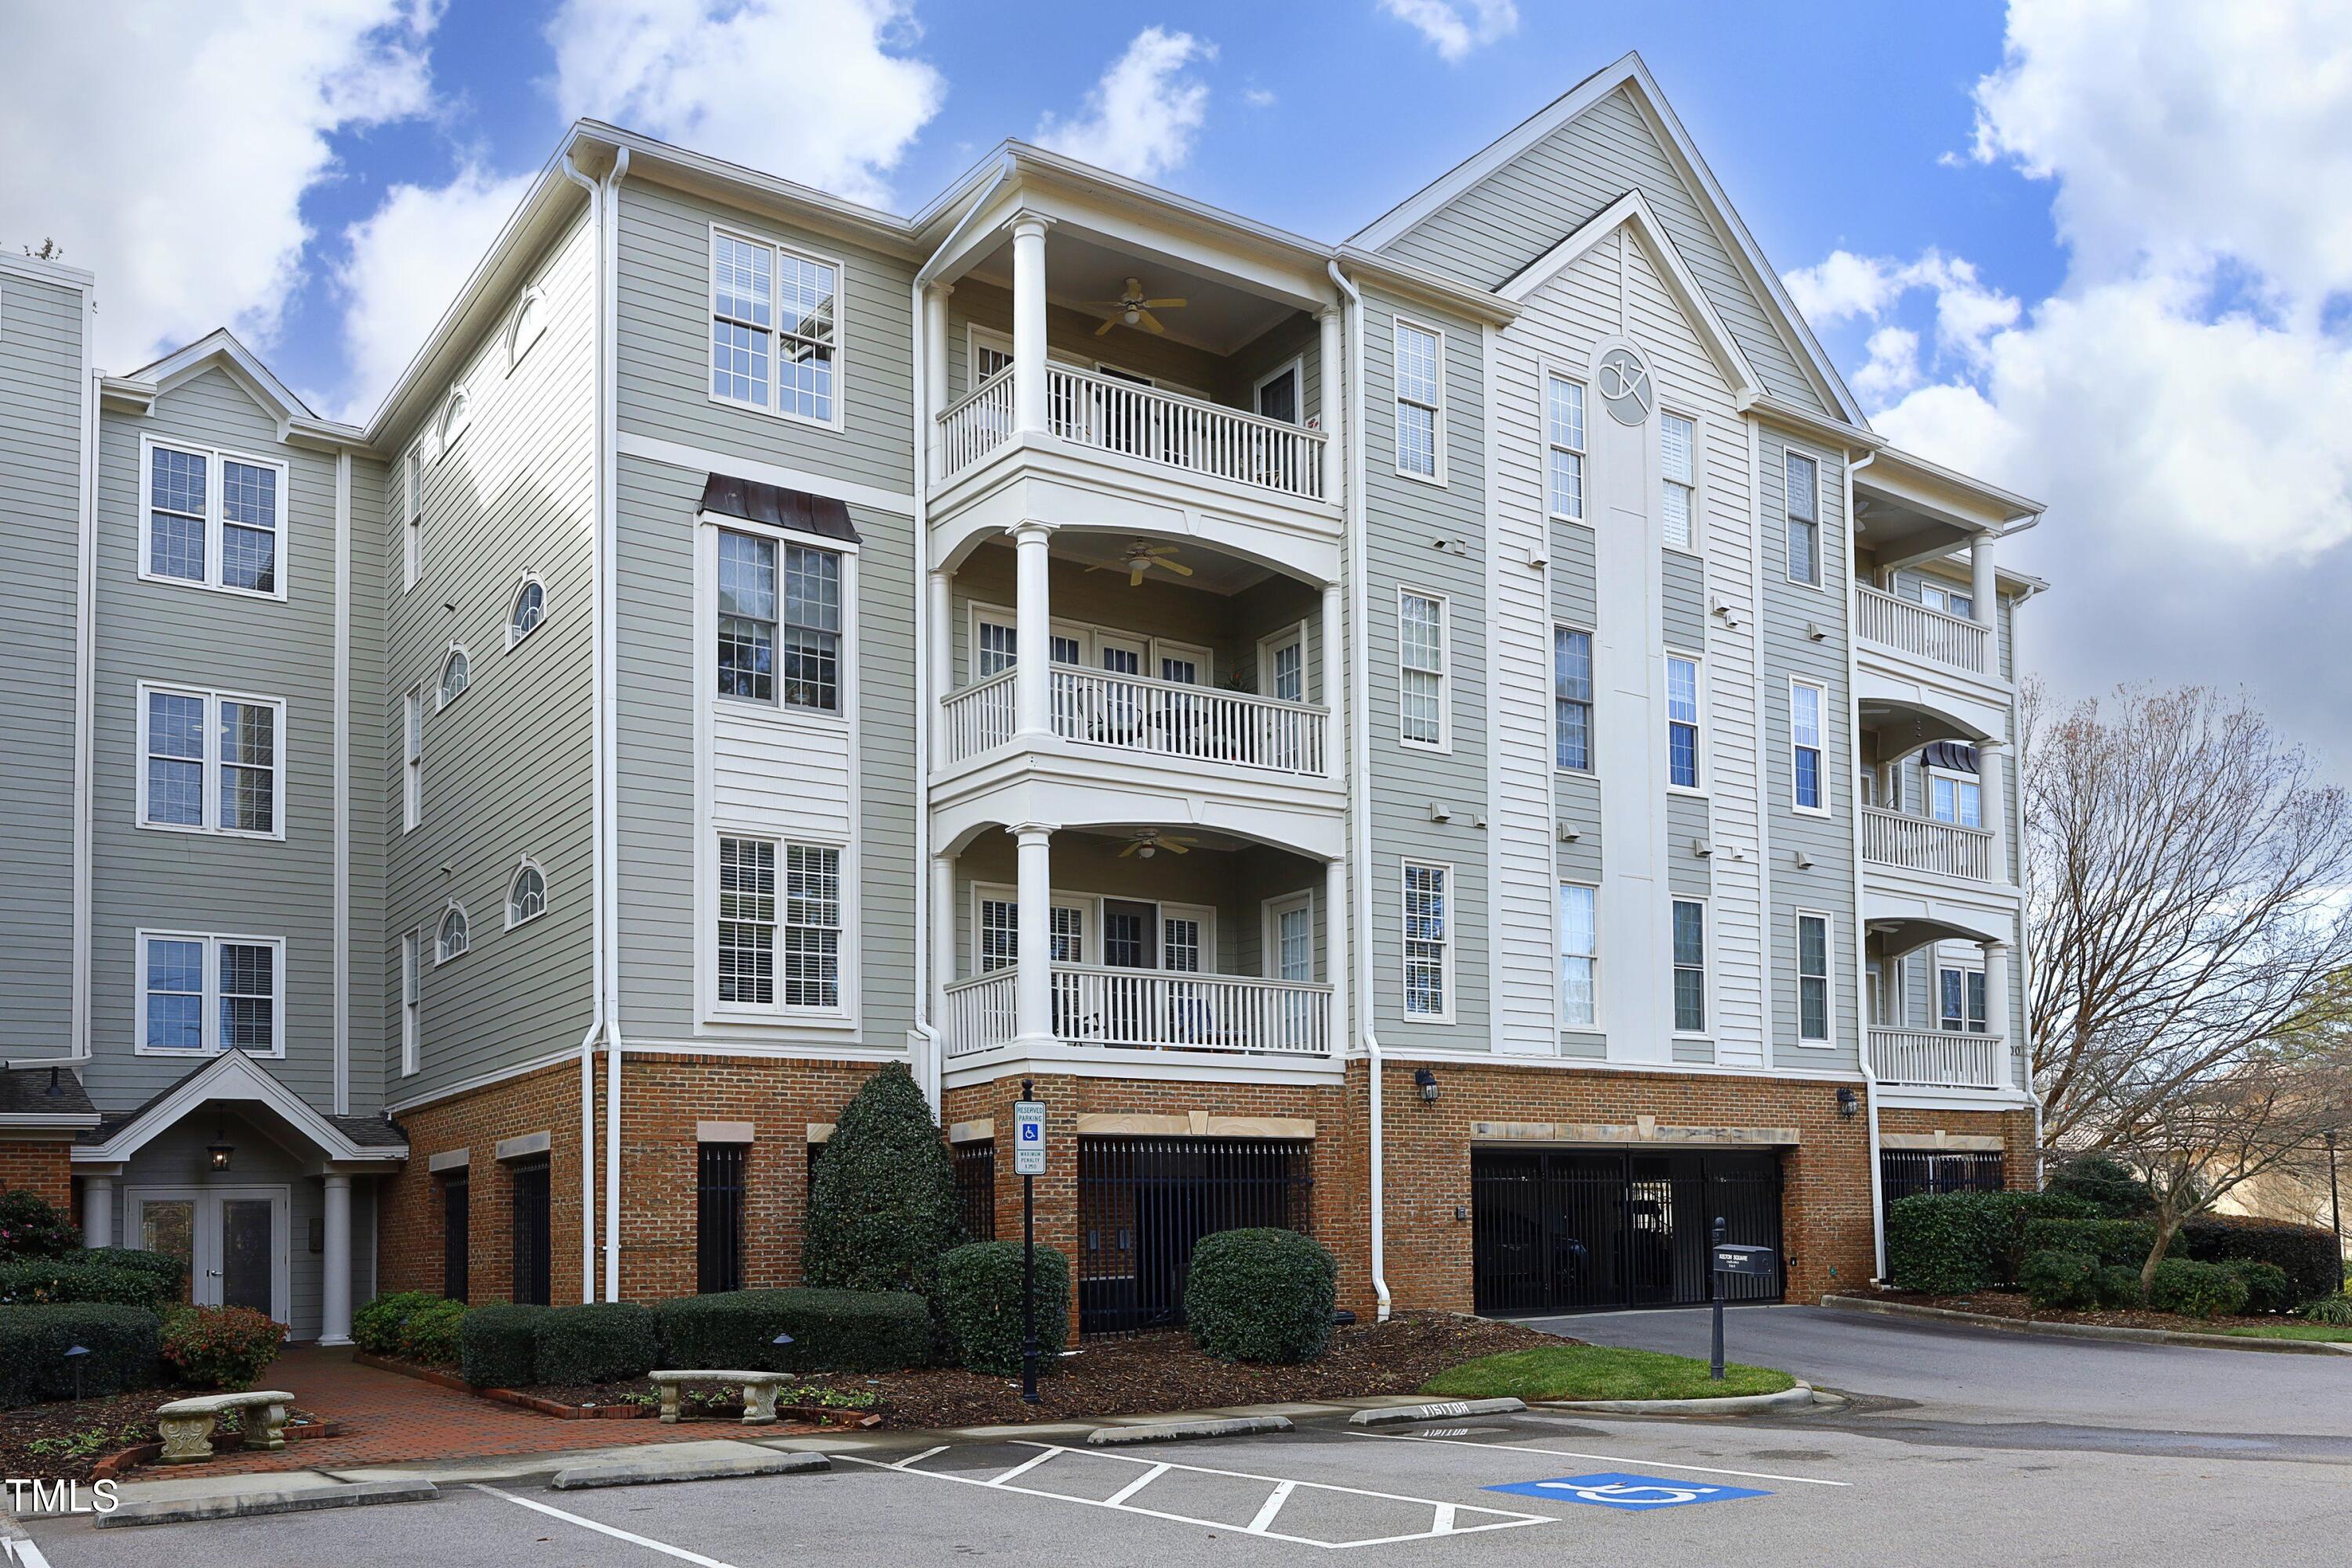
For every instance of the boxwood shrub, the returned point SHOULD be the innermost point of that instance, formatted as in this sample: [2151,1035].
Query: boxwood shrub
[123,1345]
[1263,1294]
[977,1295]
[2050,1278]
[432,1335]
[35,1281]
[597,1342]
[1946,1244]
[2268,1289]
[2117,1287]
[2196,1290]
[2127,1241]
[832,1330]
[881,1203]
[375,1328]
[498,1345]
[163,1264]
[2306,1252]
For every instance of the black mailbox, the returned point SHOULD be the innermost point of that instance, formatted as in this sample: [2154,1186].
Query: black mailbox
[1732,1259]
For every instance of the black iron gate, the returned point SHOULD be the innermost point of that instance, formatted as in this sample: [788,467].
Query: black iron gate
[975,1188]
[531,1283]
[1564,1230]
[1905,1172]
[1143,1201]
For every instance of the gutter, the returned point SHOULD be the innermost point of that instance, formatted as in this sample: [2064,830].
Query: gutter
[1861,926]
[1360,772]
[77,1044]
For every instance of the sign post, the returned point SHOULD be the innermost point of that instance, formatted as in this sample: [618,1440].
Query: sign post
[1029,1164]
[1730,1258]
[1715,1290]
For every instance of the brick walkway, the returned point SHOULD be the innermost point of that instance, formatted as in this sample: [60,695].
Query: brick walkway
[390,1419]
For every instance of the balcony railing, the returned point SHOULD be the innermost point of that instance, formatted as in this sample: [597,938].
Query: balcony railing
[1919,844]
[1135,713]
[1142,422]
[1916,629]
[1937,1059]
[1150,1010]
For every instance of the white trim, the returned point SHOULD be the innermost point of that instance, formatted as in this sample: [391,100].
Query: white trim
[1821,579]
[211,764]
[1797,682]
[1591,704]
[1559,952]
[845,664]
[412,758]
[1090,638]
[1696,486]
[411,1009]
[1546,373]
[1089,909]
[1270,913]
[844,1013]
[773,407]
[456,418]
[443,697]
[205,1240]
[441,954]
[1707,968]
[1701,742]
[1452,941]
[412,515]
[215,517]
[1399,323]
[704,459]
[1294,366]
[1444,601]
[341,963]
[1797,918]
[1272,644]
[518,346]
[514,877]
[208,1018]
[1955,778]
[515,639]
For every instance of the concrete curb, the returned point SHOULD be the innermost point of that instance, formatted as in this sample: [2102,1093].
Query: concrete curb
[1171,1431]
[1397,1415]
[1802,1397]
[2084,1330]
[649,1469]
[245,1505]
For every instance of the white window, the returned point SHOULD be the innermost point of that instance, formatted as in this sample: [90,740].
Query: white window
[201,993]
[1424,701]
[1579,956]
[1951,601]
[211,761]
[747,921]
[1284,668]
[530,608]
[1564,447]
[1572,698]
[1955,798]
[812,929]
[1812,978]
[412,504]
[456,418]
[454,936]
[1428,940]
[530,322]
[1419,403]
[412,771]
[1809,784]
[1801,493]
[1683,756]
[997,933]
[214,519]
[774,328]
[456,676]
[780,622]
[526,894]
[1276,395]
[1290,937]
[779,950]
[1690,966]
[411,1001]
[1961,1001]
[1678,470]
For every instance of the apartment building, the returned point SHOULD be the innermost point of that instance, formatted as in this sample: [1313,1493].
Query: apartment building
[1462,740]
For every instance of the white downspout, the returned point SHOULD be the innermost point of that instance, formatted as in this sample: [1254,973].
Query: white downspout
[607,742]
[1360,772]
[1861,982]
[77,1049]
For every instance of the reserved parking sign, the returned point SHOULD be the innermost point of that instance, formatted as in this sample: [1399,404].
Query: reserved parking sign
[1029,1138]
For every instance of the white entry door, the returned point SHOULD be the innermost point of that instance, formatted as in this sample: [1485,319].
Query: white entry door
[234,1241]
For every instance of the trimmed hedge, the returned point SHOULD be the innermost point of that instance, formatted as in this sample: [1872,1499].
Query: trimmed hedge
[832,1330]
[1946,1244]
[2196,1290]
[434,1334]
[163,1264]
[2050,1278]
[597,1342]
[1261,1295]
[2105,1184]
[123,1345]
[2268,1288]
[977,1296]
[375,1328]
[2306,1252]
[497,1347]
[2117,1287]
[881,1203]
[2126,1241]
[36,1281]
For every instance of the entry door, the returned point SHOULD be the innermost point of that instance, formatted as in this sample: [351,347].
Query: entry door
[233,1241]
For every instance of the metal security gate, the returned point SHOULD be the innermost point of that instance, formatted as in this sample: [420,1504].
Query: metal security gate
[530,1280]
[1563,1230]
[1143,1201]
[975,1188]
[1905,1172]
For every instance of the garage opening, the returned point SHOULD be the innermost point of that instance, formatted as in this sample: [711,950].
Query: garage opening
[1905,1172]
[1143,1201]
[1570,1230]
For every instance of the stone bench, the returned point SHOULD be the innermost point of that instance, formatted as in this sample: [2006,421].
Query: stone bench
[187,1424]
[758,1392]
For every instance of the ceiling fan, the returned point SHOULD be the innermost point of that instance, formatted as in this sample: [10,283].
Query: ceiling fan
[1132,310]
[1143,555]
[1150,841]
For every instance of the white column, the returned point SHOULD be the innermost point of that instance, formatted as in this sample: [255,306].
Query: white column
[1990,803]
[335,1290]
[1033,630]
[1996,963]
[935,348]
[1029,321]
[1333,402]
[1337,969]
[1033,996]
[1332,689]
[98,1211]
[1984,606]
[943,925]
[939,607]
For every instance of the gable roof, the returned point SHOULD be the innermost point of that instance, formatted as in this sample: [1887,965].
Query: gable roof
[1631,75]
[233,1076]
[219,350]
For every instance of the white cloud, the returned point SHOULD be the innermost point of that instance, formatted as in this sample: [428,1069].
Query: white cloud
[1894,366]
[1141,117]
[407,261]
[1259,97]
[1454,27]
[822,92]
[168,147]
[1843,285]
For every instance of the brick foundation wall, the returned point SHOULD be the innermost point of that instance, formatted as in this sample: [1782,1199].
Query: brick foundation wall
[40,1166]
[2018,1167]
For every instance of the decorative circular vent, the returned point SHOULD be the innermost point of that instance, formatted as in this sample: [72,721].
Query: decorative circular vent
[1624,383]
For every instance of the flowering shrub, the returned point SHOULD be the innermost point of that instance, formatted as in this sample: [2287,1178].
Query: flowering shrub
[221,1347]
[32,1227]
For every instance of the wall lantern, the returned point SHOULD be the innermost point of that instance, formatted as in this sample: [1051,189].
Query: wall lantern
[1426,1081]
[219,1154]
[1849,1103]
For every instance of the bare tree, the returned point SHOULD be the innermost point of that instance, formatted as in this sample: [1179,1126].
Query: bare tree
[2189,873]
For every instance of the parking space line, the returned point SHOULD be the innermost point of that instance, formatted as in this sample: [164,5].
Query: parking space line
[1606,1458]
[1272,1506]
[913,1459]
[617,1533]
[1136,1485]
[1025,1466]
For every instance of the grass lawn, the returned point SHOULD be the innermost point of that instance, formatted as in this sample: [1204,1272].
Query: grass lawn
[1599,1371]
[2330,1334]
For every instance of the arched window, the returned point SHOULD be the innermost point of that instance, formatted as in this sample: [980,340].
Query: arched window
[456,676]
[452,941]
[455,416]
[529,606]
[526,895]
[530,322]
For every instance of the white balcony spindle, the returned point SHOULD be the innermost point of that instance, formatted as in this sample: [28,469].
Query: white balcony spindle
[1897,623]
[1146,1010]
[1919,844]
[1937,1059]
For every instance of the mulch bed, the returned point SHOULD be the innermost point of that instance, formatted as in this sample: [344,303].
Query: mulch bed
[2009,1304]
[65,1429]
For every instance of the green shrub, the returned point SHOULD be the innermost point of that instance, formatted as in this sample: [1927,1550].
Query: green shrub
[1946,1244]
[220,1347]
[375,1328]
[2196,1290]
[977,1296]
[2328,1310]
[832,1330]
[432,1335]
[597,1342]
[882,1203]
[2054,1279]
[2268,1289]
[2306,1252]
[122,1343]
[498,1345]
[2117,1287]
[32,1227]
[2108,1185]
[1261,1295]
[163,1264]
[2127,1241]
[35,1281]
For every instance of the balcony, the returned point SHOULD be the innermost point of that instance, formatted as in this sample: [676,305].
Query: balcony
[1919,844]
[1137,714]
[1953,642]
[1938,1058]
[1147,1010]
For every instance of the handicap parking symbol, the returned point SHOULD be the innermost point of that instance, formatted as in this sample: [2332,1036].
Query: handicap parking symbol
[1614,1488]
